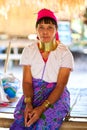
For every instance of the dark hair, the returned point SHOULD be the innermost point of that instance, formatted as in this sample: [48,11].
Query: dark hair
[47,20]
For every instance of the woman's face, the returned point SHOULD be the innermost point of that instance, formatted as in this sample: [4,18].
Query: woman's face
[46,32]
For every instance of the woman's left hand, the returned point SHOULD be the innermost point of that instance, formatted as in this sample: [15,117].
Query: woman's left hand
[34,115]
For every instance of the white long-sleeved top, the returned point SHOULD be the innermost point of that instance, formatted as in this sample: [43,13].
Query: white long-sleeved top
[60,57]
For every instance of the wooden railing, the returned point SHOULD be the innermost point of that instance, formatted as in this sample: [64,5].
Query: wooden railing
[12,50]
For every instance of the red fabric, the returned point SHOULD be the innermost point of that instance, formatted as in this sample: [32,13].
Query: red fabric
[46,13]
[4,104]
[57,36]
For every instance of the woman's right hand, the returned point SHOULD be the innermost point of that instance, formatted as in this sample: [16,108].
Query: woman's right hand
[35,115]
[28,110]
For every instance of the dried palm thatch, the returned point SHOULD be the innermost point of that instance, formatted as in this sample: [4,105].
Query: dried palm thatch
[17,17]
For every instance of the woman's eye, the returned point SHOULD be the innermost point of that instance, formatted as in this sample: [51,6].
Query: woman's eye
[50,28]
[41,28]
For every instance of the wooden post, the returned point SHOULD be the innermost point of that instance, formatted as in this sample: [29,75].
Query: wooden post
[7,59]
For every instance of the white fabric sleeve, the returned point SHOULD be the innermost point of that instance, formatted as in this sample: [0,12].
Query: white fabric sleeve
[25,58]
[67,60]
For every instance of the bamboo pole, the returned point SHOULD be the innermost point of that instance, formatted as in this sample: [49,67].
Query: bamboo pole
[7,59]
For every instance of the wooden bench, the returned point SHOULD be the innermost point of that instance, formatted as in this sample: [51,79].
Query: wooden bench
[76,121]
[6,113]
[6,119]
[70,123]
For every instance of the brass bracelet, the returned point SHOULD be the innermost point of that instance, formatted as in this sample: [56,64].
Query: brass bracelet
[46,103]
[27,100]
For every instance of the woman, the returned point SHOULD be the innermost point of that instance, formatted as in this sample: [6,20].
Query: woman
[46,68]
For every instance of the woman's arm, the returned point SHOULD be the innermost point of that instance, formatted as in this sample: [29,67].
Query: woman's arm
[27,82]
[53,97]
[62,80]
[27,91]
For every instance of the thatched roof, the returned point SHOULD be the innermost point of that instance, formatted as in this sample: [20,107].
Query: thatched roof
[17,17]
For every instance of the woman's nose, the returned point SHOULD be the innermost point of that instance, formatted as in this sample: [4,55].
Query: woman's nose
[45,31]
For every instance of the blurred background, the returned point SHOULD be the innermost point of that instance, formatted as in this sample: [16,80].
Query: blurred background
[17,30]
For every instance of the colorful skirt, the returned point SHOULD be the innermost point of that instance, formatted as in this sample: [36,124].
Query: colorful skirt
[52,118]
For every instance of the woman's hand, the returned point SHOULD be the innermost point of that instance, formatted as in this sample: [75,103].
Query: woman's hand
[34,115]
[28,110]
